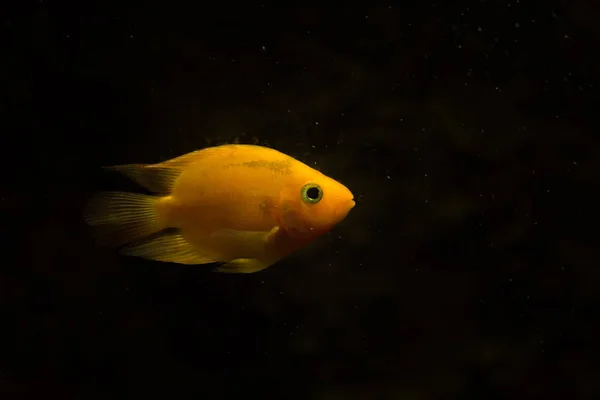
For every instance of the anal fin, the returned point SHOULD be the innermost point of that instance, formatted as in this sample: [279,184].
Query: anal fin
[242,266]
[169,247]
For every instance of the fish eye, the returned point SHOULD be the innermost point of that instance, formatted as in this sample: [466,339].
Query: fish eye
[312,193]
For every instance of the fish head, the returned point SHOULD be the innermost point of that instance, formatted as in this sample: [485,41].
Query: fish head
[315,205]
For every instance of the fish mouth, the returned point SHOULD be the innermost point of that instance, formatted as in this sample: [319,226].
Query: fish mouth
[344,209]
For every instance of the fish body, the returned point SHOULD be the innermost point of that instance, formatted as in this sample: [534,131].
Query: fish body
[243,206]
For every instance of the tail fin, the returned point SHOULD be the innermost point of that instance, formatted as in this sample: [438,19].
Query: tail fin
[118,218]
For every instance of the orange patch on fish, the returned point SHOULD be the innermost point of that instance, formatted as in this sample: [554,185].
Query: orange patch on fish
[243,206]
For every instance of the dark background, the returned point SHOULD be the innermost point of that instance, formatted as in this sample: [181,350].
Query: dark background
[467,131]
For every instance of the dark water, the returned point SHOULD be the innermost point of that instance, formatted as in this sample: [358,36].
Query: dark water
[468,132]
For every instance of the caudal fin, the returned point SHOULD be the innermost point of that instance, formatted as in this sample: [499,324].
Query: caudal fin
[118,218]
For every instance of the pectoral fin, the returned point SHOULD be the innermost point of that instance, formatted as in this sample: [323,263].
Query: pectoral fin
[248,244]
[242,266]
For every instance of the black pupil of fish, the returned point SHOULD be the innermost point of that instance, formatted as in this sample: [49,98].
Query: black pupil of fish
[312,193]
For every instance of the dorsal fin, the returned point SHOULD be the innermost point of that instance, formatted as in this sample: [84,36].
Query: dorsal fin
[153,177]
[160,178]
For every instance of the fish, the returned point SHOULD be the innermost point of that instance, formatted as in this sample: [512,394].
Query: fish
[243,207]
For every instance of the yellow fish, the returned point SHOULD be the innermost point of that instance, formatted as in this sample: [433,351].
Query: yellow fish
[243,206]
